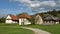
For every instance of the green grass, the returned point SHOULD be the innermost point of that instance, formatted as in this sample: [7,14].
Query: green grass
[54,29]
[13,29]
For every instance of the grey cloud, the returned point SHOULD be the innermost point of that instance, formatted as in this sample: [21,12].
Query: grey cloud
[36,5]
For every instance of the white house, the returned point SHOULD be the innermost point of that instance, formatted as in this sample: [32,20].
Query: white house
[24,19]
[11,19]
[38,19]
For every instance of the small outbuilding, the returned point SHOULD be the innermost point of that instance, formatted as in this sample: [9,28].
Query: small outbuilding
[38,19]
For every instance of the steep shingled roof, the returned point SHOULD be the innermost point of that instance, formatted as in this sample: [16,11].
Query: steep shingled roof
[51,18]
[25,16]
[13,17]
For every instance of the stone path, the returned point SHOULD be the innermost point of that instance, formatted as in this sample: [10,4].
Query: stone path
[37,31]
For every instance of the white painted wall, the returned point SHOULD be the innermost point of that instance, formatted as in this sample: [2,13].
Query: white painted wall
[8,17]
[26,22]
[8,21]
[38,20]
[57,22]
[20,21]
[14,22]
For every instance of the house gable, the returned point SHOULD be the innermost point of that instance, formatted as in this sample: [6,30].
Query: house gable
[8,17]
[38,20]
[24,19]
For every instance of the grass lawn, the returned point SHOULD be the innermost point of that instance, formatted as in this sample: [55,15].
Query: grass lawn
[13,29]
[54,29]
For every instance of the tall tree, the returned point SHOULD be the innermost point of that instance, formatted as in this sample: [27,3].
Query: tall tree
[2,20]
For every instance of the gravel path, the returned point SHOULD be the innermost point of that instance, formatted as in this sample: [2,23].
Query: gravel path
[37,31]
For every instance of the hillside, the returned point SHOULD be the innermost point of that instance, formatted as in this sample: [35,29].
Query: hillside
[55,13]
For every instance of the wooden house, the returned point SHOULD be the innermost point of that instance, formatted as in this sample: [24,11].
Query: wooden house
[51,20]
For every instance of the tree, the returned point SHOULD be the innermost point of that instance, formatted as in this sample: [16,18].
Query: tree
[2,20]
[53,12]
[32,20]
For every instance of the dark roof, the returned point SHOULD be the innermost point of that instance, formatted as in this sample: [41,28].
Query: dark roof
[51,18]
[57,18]
[48,17]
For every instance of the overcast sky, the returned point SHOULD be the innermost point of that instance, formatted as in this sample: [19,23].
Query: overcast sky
[29,6]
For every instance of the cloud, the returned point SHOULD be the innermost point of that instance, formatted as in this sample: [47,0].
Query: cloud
[48,3]
[34,5]
[40,5]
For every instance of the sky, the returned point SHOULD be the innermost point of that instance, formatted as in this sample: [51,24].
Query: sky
[28,6]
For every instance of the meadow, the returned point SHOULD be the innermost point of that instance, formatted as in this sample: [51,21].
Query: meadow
[13,29]
[54,29]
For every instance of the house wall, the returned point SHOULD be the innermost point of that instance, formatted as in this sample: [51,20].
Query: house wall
[51,22]
[14,21]
[24,21]
[20,21]
[8,17]
[9,21]
[38,20]
[57,22]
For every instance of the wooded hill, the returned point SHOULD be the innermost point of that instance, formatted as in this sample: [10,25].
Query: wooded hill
[55,13]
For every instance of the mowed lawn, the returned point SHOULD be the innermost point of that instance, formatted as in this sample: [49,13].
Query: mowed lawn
[13,29]
[54,29]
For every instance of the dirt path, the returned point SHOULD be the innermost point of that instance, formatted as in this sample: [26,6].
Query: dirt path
[37,31]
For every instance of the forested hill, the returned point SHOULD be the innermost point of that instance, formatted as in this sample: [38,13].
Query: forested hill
[55,13]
